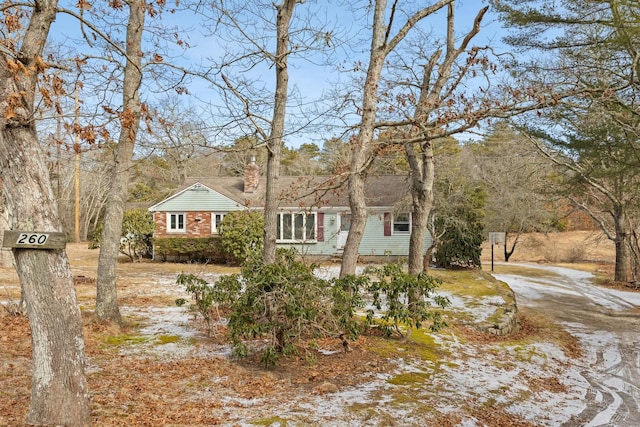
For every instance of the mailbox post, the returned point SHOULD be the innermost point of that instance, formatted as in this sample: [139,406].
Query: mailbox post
[495,238]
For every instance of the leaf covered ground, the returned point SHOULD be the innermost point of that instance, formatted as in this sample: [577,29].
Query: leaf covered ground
[162,368]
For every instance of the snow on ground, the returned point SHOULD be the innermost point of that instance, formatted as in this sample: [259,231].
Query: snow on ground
[500,375]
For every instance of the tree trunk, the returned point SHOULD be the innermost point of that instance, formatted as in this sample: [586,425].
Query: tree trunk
[422,179]
[274,145]
[106,296]
[361,146]
[59,394]
[620,241]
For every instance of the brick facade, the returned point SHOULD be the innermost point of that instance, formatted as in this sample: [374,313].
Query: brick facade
[197,224]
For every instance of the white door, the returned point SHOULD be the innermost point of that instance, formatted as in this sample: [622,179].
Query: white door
[344,223]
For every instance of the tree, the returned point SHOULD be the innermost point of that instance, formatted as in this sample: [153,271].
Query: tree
[362,145]
[59,394]
[427,92]
[592,46]
[267,110]
[106,296]
[517,179]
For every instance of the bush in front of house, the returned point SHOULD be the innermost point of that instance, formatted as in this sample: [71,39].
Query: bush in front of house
[136,236]
[289,306]
[195,249]
[241,232]
[284,302]
[137,232]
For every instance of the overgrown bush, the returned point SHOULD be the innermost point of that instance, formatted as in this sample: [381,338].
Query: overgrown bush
[136,237]
[288,304]
[207,299]
[137,234]
[404,300]
[283,301]
[242,232]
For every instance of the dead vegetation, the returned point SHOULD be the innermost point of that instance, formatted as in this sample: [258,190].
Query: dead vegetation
[206,388]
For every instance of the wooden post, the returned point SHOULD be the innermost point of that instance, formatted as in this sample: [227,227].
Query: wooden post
[76,148]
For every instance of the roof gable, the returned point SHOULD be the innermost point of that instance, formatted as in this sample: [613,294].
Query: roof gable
[195,197]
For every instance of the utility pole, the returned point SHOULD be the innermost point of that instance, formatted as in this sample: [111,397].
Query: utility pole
[76,148]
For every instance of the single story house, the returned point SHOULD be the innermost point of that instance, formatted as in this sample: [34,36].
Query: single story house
[314,212]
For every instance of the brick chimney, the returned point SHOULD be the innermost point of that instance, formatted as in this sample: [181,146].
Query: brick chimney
[251,176]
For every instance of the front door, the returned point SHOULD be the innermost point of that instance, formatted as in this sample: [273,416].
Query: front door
[344,224]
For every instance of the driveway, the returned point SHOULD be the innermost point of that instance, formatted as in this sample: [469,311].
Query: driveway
[606,321]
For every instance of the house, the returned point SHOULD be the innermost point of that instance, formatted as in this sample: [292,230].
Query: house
[314,212]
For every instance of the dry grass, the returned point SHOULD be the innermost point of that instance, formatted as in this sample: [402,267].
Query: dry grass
[127,389]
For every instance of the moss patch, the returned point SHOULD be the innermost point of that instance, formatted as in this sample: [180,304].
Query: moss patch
[166,339]
[120,340]
[271,421]
[410,378]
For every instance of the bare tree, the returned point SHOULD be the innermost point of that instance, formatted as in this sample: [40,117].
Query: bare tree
[363,145]
[518,179]
[426,92]
[59,394]
[253,108]
[106,296]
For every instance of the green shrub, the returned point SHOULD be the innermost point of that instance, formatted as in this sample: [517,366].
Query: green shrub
[289,305]
[136,236]
[196,249]
[405,298]
[137,233]
[283,301]
[242,233]
[207,299]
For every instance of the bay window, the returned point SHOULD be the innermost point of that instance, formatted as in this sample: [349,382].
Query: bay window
[296,227]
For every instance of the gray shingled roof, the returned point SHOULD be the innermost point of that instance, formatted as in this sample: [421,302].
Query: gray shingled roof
[316,191]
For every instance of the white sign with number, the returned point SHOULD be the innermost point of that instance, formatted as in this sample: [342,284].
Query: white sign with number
[32,239]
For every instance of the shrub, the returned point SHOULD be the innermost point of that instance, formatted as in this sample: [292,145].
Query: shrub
[283,301]
[137,233]
[405,298]
[136,236]
[197,249]
[288,304]
[242,232]
[207,299]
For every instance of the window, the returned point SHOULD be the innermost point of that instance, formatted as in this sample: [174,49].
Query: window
[216,219]
[402,223]
[175,222]
[296,227]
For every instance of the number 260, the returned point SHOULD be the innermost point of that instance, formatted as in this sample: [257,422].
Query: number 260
[32,239]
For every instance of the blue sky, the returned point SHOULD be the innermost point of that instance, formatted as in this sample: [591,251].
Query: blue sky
[309,79]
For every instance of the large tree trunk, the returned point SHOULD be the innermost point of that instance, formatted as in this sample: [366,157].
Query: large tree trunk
[361,146]
[274,145]
[422,179]
[59,394]
[106,296]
